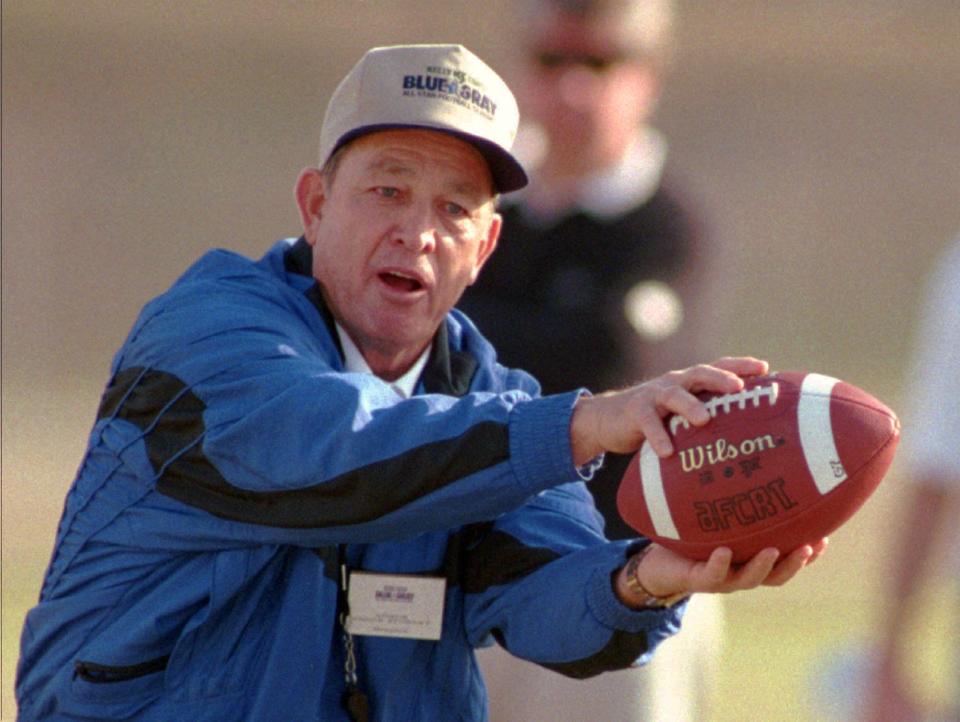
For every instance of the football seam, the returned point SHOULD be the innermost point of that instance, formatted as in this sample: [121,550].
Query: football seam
[886,412]
[889,413]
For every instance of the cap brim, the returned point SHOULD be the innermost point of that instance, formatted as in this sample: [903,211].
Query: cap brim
[506,171]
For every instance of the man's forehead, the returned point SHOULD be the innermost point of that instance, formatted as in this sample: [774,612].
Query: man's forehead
[412,151]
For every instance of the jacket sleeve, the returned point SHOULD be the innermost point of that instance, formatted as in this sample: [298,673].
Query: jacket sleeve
[237,394]
[551,551]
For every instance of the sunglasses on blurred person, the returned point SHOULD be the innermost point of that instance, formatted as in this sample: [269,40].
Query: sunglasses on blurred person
[558,60]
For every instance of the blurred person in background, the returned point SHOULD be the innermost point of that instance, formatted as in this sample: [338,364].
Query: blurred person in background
[928,542]
[602,277]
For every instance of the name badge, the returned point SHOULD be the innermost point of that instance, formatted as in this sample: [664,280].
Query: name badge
[396,605]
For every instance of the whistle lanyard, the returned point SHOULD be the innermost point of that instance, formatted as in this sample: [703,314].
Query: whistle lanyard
[354,700]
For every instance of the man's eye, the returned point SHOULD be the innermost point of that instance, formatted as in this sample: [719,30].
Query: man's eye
[455,209]
[387,191]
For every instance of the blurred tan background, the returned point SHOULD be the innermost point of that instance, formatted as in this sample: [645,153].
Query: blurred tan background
[823,139]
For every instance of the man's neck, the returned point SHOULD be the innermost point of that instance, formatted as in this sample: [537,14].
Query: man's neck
[403,370]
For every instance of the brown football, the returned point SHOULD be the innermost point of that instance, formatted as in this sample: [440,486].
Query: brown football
[781,464]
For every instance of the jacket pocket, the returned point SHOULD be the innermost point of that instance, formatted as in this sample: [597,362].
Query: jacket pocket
[114,692]
[108,674]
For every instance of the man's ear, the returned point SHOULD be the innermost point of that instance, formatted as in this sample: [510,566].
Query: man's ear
[310,193]
[488,245]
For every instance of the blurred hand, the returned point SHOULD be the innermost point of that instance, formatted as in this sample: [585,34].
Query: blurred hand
[664,573]
[619,421]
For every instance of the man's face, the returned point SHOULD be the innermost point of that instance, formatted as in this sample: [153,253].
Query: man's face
[398,233]
[588,95]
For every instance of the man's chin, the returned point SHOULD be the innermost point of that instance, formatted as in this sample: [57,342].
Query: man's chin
[399,337]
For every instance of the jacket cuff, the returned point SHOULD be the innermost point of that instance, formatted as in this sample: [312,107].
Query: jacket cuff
[614,614]
[540,452]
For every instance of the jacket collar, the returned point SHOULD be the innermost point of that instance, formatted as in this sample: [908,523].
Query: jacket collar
[448,371]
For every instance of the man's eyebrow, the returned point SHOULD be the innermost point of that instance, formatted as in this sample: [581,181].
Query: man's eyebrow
[394,166]
[468,188]
[397,167]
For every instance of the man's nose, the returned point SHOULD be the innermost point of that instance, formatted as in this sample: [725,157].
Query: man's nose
[417,231]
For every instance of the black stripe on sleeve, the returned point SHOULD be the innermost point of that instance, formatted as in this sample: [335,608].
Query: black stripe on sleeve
[172,418]
[501,558]
[498,558]
[620,652]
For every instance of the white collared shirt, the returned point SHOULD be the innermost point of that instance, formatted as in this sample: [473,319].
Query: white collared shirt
[608,192]
[354,361]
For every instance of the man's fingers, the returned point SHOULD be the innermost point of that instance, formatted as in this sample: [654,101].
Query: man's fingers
[798,559]
[667,570]
[658,438]
[743,365]
[818,549]
[717,568]
[671,399]
[757,570]
[620,420]
[767,568]
[675,394]
[705,377]
[719,574]
[787,569]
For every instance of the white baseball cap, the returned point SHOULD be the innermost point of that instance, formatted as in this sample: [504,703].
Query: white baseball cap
[433,87]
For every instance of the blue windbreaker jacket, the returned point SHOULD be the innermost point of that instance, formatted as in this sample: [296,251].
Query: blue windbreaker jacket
[194,575]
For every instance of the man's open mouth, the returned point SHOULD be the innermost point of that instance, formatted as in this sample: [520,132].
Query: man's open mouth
[400,281]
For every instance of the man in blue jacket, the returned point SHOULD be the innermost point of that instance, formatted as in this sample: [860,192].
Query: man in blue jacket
[311,491]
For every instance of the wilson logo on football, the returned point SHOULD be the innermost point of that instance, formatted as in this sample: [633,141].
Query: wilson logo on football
[695,457]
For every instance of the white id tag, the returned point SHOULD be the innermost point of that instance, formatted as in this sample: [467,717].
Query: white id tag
[396,605]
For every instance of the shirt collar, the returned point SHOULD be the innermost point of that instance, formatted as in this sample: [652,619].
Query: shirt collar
[631,182]
[354,361]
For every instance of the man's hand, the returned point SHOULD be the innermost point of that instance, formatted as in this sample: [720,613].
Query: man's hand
[619,421]
[665,573]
